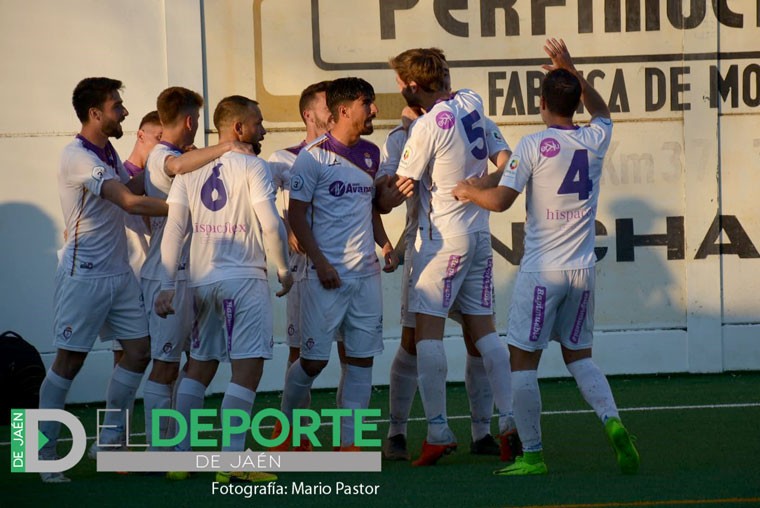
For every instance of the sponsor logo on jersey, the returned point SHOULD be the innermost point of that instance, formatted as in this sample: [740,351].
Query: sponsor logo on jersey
[338,188]
[86,266]
[549,147]
[98,172]
[445,120]
[296,183]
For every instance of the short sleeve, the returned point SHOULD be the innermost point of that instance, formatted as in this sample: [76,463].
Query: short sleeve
[304,177]
[494,140]
[89,171]
[418,151]
[518,169]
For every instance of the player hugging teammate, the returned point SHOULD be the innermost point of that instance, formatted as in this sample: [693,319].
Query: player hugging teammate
[211,282]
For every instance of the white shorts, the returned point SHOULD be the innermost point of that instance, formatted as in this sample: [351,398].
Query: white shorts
[84,307]
[458,269]
[354,310]
[293,313]
[552,305]
[169,336]
[234,321]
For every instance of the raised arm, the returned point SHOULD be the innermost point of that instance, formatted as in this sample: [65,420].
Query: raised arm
[560,56]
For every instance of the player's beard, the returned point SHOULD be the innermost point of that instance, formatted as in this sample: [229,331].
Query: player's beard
[368,128]
[256,147]
[112,129]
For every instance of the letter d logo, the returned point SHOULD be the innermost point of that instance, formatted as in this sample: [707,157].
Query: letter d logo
[25,432]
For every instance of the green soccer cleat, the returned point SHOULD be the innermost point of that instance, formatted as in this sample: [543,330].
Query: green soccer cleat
[530,463]
[622,442]
[245,477]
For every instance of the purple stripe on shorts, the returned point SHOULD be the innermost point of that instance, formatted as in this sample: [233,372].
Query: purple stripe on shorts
[486,297]
[451,271]
[229,320]
[580,317]
[195,336]
[537,319]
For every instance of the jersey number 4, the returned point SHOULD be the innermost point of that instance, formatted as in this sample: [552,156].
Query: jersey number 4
[479,151]
[576,179]
[213,192]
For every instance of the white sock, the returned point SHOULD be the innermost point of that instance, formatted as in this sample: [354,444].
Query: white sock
[171,429]
[53,393]
[403,386]
[156,396]
[480,397]
[357,390]
[431,376]
[341,384]
[119,397]
[594,388]
[496,363]
[237,397]
[527,401]
[297,389]
[189,396]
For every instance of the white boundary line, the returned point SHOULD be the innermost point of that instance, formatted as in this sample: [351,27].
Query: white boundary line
[644,409]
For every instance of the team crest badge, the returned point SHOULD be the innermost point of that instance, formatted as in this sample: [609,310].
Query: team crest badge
[368,159]
[309,343]
[98,172]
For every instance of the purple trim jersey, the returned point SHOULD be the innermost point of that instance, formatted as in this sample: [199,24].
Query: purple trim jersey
[338,182]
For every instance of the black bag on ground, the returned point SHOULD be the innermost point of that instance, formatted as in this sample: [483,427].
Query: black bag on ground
[21,374]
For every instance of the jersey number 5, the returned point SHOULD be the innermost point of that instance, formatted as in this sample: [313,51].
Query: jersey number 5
[578,169]
[474,134]
[213,193]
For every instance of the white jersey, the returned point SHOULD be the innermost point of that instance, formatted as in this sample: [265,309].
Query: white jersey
[390,157]
[280,164]
[138,234]
[338,182]
[445,146]
[157,185]
[96,243]
[561,169]
[226,242]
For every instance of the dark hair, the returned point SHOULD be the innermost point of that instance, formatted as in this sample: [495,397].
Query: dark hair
[561,90]
[92,93]
[425,66]
[309,94]
[344,90]
[151,118]
[232,108]
[175,101]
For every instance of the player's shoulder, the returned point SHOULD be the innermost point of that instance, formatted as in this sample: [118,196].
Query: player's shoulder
[367,146]
[396,134]
[287,155]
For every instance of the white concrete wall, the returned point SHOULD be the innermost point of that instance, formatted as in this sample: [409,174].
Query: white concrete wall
[683,157]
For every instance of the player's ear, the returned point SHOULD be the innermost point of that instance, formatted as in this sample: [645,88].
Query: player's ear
[94,114]
[188,122]
[238,127]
